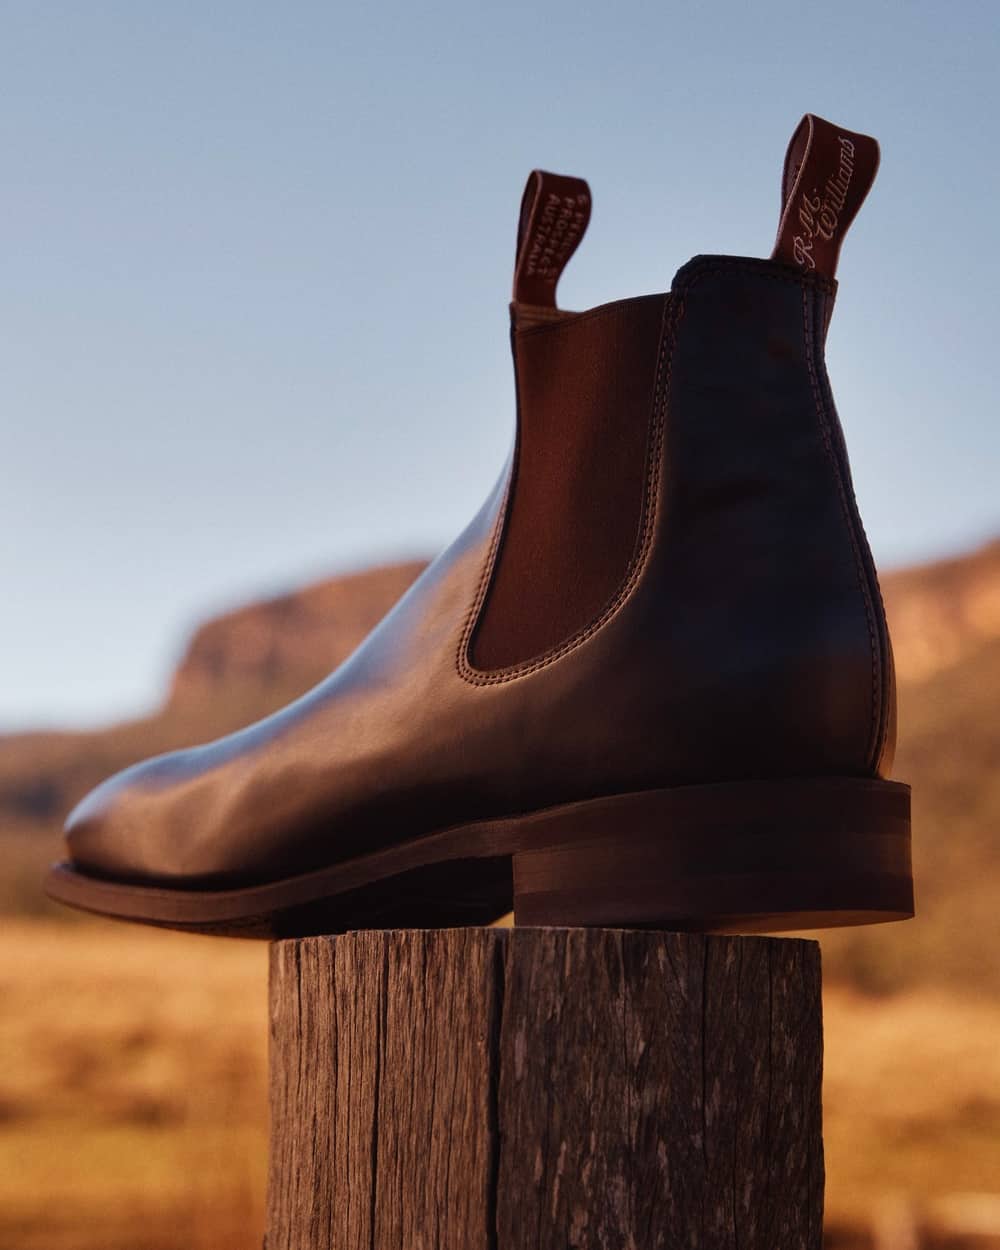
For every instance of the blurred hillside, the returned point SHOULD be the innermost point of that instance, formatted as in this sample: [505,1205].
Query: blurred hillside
[945,620]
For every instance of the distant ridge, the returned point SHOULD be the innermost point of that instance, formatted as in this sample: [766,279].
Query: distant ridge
[292,639]
[941,612]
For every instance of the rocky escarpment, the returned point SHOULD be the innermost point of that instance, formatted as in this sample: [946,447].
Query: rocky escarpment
[942,612]
[292,640]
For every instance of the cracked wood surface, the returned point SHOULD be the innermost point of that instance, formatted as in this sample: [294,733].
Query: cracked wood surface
[545,1089]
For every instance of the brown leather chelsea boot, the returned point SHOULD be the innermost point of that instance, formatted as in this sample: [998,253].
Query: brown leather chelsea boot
[650,684]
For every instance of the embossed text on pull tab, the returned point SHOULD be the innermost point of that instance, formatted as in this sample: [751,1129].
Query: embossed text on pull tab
[828,173]
[555,213]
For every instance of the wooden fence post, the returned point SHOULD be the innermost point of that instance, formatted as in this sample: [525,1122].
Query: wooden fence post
[545,1089]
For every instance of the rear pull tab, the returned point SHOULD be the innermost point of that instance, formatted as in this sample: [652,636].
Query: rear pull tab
[555,212]
[828,173]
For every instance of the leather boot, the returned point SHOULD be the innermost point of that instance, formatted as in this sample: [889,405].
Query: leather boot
[651,682]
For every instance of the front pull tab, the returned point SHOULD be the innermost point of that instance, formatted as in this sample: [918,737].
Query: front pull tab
[828,173]
[555,211]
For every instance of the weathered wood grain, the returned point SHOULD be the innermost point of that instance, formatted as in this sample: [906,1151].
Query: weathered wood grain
[545,1089]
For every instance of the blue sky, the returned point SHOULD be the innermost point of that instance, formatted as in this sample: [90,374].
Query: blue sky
[256,261]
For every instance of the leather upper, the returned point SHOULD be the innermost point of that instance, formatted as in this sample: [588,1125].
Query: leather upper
[744,637]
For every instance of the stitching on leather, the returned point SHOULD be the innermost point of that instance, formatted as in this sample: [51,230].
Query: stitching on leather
[874,745]
[887,669]
[696,270]
[882,654]
[472,616]
[672,313]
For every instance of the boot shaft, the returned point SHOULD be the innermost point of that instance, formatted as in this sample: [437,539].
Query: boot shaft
[679,458]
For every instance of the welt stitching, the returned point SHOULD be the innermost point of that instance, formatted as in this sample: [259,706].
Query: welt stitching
[668,332]
[849,522]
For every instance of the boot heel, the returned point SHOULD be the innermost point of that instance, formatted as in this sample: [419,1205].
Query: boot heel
[759,856]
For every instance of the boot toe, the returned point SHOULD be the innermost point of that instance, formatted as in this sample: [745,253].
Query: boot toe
[91,833]
[113,833]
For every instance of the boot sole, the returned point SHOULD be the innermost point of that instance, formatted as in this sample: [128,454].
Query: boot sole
[743,857]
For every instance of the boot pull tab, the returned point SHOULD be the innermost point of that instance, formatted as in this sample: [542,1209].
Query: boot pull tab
[828,172]
[555,211]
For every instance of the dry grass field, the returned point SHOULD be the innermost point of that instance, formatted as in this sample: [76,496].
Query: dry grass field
[133,1110]
[133,1092]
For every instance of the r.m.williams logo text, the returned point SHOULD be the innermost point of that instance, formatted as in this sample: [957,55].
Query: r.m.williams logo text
[819,212]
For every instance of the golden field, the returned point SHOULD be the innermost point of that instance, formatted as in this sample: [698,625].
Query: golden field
[133,1112]
[133,1109]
